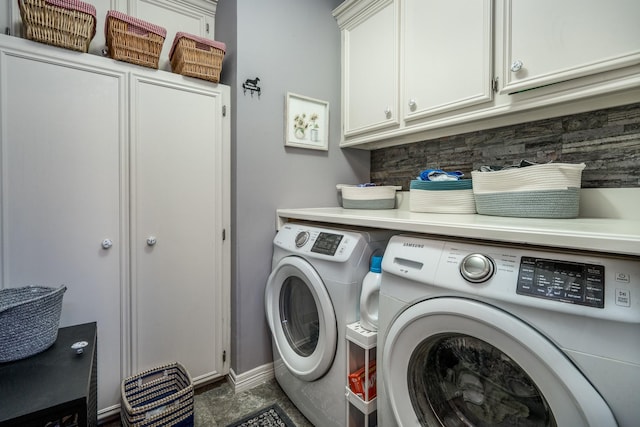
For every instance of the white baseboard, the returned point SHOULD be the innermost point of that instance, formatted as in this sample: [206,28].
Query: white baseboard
[250,379]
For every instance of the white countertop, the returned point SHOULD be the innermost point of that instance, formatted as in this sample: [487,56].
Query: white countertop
[608,235]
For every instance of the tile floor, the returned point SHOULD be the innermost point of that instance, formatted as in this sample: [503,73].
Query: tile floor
[216,405]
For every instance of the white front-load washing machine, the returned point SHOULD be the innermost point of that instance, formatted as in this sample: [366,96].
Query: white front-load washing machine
[481,334]
[313,292]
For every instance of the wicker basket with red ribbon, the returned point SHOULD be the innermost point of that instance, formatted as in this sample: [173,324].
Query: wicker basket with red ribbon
[133,40]
[70,24]
[198,57]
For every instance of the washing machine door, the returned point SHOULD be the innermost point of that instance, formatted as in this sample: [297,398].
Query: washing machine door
[301,318]
[457,362]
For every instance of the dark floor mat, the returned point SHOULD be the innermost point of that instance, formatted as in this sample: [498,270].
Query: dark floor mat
[270,416]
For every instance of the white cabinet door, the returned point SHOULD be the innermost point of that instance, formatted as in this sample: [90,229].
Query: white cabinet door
[189,16]
[370,69]
[179,168]
[550,41]
[63,134]
[446,55]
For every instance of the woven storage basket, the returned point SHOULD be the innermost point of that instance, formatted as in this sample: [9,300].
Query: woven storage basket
[442,196]
[133,40]
[198,57]
[65,23]
[162,396]
[29,320]
[550,190]
[376,197]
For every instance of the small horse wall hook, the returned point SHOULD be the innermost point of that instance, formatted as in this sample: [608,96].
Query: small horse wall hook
[252,86]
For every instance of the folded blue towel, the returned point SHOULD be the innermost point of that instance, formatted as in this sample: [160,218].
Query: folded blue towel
[439,175]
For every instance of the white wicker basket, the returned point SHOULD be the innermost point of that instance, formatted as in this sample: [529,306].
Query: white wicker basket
[550,190]
[442,197]
[376,197]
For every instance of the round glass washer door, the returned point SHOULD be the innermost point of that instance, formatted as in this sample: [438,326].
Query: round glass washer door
[456,362]
[301,318]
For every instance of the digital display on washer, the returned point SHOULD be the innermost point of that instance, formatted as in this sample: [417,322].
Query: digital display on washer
[569,282]
[327,243]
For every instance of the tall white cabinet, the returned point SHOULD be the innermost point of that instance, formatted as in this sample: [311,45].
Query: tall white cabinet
[99,156]
[63,130]
[178,215]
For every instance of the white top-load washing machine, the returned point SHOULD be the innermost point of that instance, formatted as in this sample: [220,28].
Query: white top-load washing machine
[313,292]
[480,334]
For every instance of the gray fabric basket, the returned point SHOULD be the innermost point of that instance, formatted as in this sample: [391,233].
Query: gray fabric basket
[530,204]
[29,320]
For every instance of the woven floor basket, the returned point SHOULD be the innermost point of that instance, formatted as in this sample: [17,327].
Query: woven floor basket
[194,59]
[58,26]
[29,320]
[161,396]
[132,43]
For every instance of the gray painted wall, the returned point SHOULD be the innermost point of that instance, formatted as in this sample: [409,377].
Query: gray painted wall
[291,45]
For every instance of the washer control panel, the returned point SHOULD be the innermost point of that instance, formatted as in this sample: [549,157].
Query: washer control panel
[327,243]
[571,282]
[580,283]
[318,243]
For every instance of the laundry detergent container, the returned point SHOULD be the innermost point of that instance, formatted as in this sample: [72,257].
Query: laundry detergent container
[550,190]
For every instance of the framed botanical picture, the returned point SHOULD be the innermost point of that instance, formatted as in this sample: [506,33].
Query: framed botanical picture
[306,122]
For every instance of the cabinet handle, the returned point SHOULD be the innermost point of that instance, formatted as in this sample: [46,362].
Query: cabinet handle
[151,241]
[412,104]
[516,65]
[387,113]
[107,243]
[79,346]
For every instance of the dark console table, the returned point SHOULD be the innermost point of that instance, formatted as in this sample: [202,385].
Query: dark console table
[55,388]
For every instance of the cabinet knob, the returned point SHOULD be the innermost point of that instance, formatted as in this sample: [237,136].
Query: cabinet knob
[79,346]
[387,113]
[516,65]
[151,241]
[412,104]
[107,243]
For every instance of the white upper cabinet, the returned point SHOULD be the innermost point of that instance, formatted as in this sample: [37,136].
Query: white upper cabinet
[549,41]
[446,51]
[370,67]
[453,61]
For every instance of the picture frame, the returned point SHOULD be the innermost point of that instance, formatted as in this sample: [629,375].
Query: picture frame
[306,122]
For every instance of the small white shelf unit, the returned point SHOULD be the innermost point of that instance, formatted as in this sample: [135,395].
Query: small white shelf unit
[361,351]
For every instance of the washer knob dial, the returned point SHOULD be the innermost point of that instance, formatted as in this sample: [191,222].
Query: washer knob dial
[477,268]
[302,238]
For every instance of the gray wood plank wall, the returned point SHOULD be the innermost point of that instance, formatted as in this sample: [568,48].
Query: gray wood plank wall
[607,141]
